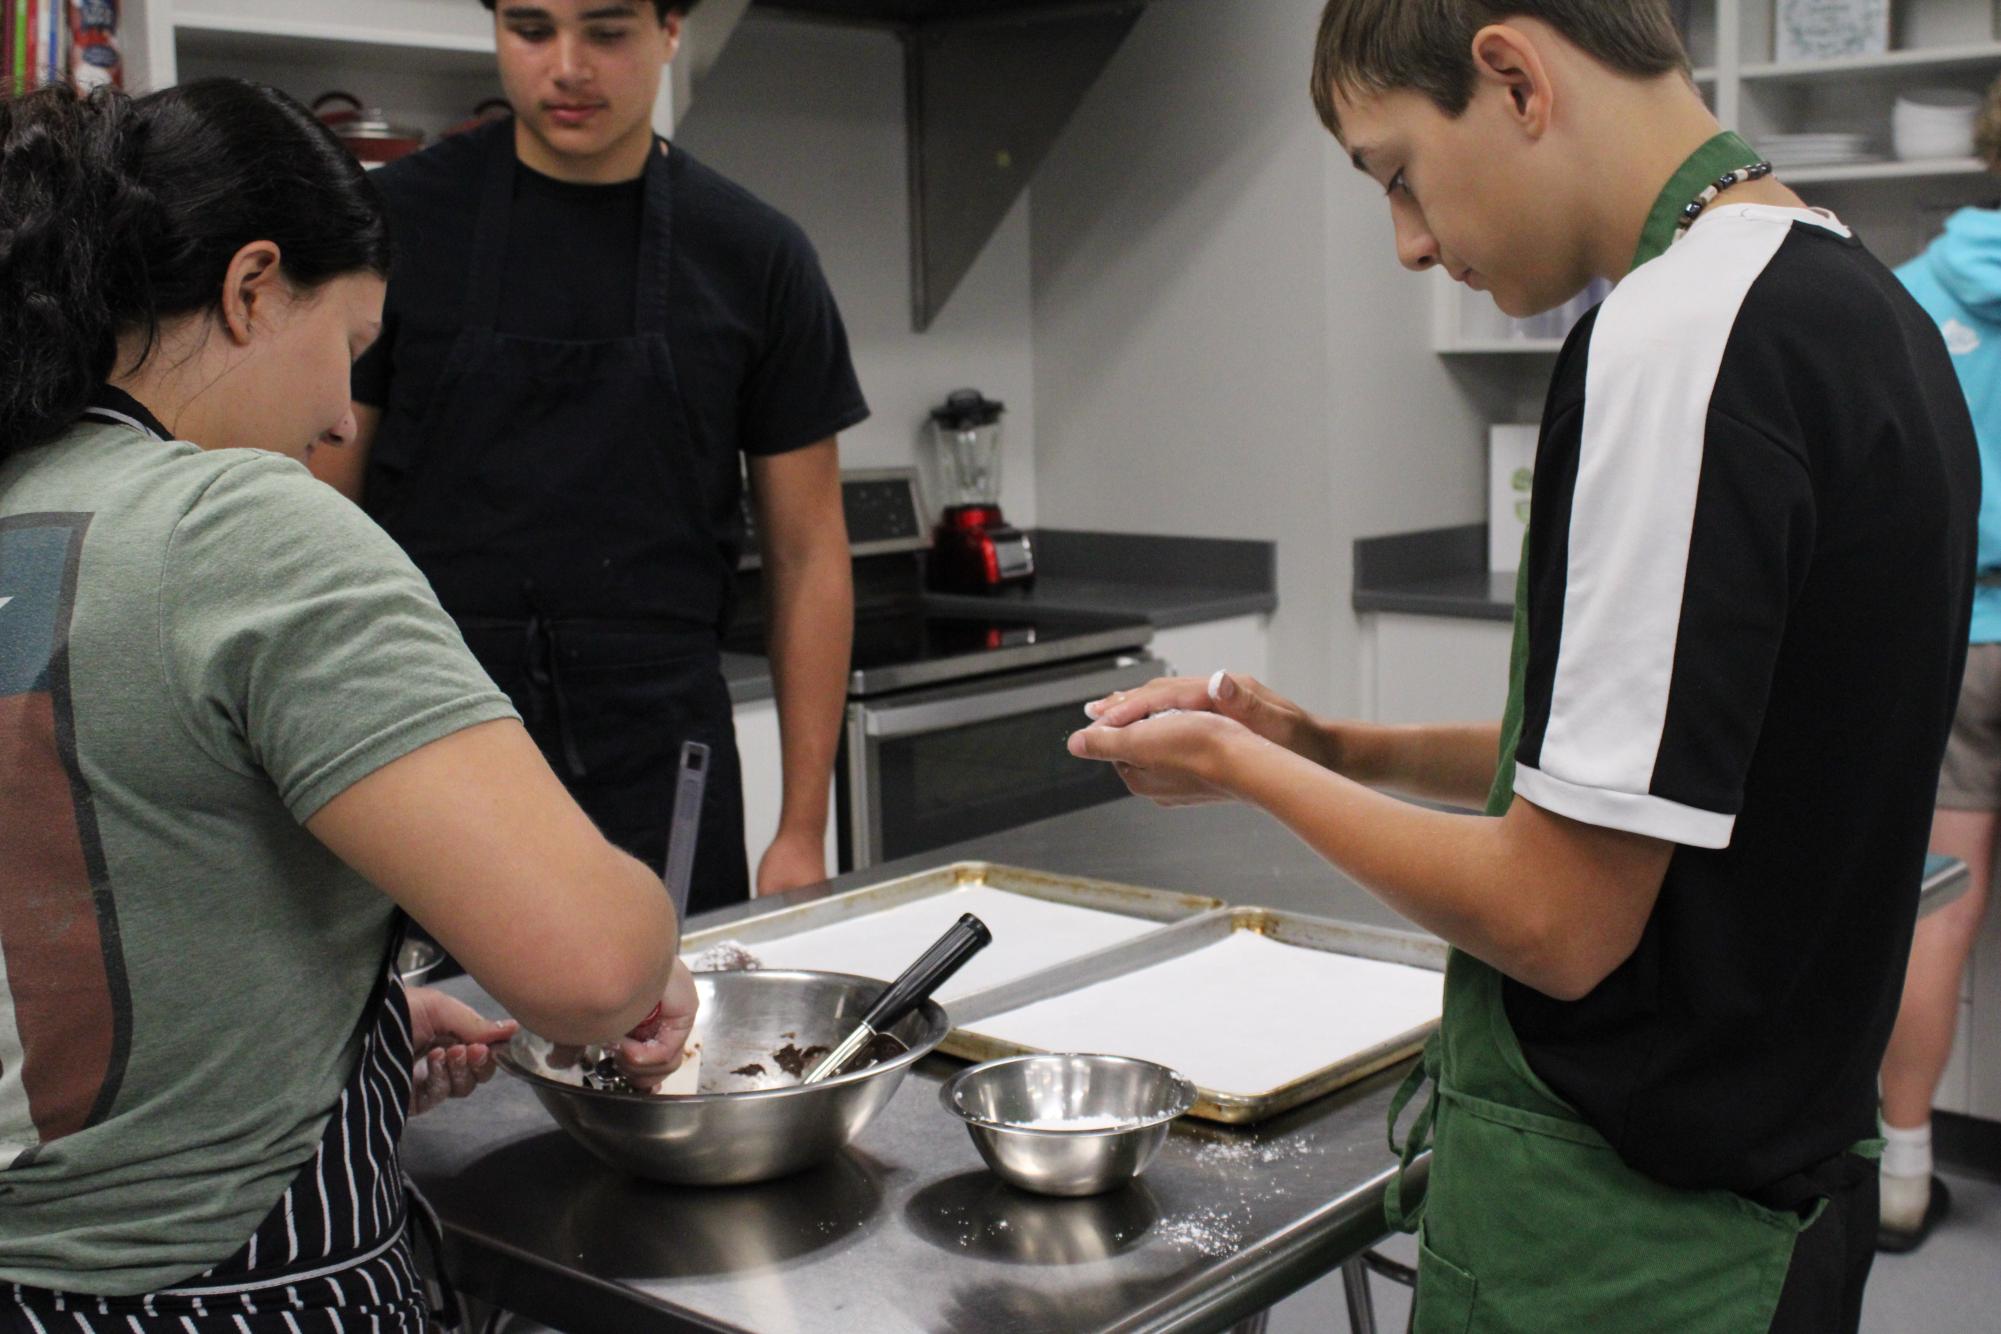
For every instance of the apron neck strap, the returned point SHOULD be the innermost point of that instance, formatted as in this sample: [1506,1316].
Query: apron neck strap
[489,242]
[496,208]
[1722,154]
[656,244]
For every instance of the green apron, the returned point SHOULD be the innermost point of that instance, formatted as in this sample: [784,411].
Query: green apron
[1531,1220]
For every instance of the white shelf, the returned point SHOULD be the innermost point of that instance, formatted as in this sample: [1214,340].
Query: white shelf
[1493,346]
[1883,171]
[1895,62]
[231,39]
[226,37]
[197,21]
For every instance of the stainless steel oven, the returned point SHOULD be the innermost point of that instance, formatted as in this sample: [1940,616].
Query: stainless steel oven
[924,768]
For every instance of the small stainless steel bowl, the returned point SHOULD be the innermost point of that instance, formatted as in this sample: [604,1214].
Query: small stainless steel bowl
[416,960]
[739,1129]
[1015,1108]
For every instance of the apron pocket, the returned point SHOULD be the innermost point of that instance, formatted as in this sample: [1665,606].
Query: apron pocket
[1445,1294]
[1564,1235]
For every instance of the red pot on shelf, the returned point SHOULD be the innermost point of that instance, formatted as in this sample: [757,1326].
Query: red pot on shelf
[492,109]
[368,134]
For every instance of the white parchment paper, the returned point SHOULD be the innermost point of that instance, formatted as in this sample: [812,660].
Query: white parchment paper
[1029,934]
[1246,1015]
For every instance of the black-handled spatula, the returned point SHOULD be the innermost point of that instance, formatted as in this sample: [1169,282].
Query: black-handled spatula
[967,937]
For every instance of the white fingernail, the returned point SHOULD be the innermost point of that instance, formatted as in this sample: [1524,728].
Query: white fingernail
[1216,685]
[1092,711]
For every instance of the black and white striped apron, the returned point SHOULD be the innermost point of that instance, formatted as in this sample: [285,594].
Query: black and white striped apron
[333,1255]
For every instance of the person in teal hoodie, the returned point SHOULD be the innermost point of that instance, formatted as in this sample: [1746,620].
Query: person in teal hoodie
[1957,280]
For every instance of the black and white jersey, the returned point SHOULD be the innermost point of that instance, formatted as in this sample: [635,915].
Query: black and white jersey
[1750,558]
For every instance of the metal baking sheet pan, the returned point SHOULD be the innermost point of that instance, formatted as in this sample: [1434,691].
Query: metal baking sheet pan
[1040,922]
[1244,998]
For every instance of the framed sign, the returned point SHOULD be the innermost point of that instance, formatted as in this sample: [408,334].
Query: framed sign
[1826,29]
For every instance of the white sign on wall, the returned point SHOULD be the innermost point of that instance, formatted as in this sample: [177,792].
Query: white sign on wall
[1825,29]
[1510,479]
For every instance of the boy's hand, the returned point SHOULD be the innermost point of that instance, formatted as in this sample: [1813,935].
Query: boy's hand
[1240,698]
[1173,759]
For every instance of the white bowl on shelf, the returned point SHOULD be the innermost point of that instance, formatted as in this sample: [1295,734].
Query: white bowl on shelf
[1934,123]
[1829,149]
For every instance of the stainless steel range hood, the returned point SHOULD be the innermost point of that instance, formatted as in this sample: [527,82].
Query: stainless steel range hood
[988,84]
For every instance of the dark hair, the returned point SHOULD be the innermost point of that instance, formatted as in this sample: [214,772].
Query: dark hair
[661,7]
[118,213]
[1380,46]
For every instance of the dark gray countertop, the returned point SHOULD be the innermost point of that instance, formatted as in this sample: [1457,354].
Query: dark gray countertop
[907,1232]
[1438,572]
[1172,581]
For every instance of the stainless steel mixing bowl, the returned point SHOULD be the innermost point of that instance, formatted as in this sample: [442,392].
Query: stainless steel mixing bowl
[739,1129]
[1015,1108]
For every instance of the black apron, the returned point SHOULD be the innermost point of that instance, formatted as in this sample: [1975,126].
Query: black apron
[334,1254]
[554,495]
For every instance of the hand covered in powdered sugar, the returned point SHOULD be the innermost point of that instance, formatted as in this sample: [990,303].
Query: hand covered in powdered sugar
[1172,758]
[452,1046]
[726,956]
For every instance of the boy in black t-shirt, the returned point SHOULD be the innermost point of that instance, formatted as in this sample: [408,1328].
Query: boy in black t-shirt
[1679,938]
[586,336]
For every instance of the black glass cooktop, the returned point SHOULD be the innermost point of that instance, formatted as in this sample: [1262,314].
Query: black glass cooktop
[908,645]
[900,638]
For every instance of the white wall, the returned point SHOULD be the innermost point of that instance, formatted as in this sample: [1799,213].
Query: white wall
[1196,319]
[810,118]
[1224,345]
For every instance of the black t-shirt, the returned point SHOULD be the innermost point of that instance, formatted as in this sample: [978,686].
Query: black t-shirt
[1750,558]
[572,259]
[760,351]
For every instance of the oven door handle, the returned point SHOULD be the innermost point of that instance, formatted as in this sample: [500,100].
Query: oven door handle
[887,722]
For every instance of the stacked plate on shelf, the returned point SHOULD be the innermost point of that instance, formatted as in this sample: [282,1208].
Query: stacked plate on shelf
[1830,149]
[1934,123]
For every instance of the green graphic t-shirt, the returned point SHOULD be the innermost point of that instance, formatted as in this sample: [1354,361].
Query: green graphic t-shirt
[198,650]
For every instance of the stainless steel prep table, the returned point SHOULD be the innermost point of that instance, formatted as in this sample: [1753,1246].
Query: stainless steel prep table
[908,1232]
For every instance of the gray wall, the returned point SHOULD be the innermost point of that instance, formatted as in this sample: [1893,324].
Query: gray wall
[1196,318]
[1224,344]
[810,118]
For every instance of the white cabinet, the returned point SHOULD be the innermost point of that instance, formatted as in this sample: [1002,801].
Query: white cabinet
[1242,644]
[1434,669]
[1981,1025]
[1955,1086]
[757,745]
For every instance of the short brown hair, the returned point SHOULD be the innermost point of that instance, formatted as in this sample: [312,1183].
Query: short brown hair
[1380,46]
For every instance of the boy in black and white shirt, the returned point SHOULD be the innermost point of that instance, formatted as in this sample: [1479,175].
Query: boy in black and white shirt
[1724,655]
[1680,936]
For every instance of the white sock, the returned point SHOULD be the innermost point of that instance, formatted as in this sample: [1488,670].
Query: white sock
[1906,1177]
[1908,1153]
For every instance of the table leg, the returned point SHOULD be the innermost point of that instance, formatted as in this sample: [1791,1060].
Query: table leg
[1361,1305]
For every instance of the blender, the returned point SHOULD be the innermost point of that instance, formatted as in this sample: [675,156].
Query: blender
[975,550]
